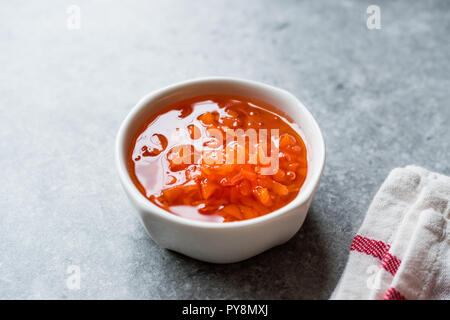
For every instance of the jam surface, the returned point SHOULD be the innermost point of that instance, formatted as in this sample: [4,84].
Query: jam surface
[218,158]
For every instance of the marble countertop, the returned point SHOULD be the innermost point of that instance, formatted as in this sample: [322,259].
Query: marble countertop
[380,96]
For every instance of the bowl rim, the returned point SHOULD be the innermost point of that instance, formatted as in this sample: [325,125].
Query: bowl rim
[146,205]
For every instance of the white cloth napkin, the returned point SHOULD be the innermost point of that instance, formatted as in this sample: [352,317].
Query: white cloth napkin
[402,250]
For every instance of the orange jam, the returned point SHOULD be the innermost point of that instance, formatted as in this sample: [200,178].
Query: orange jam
[218,158]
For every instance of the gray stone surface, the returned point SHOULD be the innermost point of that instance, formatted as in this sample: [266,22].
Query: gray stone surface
[381,98]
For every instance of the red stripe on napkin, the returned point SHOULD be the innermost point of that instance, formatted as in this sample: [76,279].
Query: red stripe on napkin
[391,263]
[369,246]
[377,249]
[393,294]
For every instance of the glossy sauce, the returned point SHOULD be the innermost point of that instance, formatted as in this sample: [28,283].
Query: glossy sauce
[195,184]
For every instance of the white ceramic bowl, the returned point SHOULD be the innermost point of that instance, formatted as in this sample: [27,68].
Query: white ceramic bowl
[232,241]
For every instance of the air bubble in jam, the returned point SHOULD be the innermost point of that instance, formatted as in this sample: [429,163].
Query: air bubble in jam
[174,160]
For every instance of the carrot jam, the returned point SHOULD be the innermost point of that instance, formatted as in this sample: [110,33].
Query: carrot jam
[218,158]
